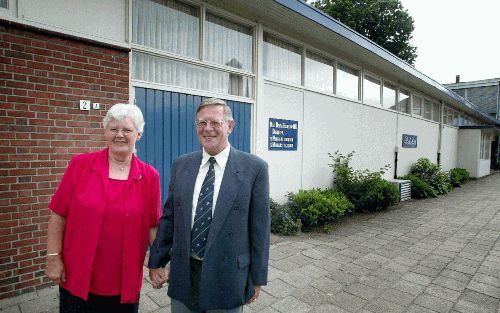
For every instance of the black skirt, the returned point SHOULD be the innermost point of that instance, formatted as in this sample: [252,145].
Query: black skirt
[69,303]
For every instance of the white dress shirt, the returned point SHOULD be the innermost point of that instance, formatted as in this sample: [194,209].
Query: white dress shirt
[219,167]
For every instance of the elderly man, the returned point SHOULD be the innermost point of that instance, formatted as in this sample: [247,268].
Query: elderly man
[215,227]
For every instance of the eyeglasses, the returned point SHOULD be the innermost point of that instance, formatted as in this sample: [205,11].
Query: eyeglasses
[125,131]
[214,124]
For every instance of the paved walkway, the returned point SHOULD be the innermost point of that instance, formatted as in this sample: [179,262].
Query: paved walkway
[435,255]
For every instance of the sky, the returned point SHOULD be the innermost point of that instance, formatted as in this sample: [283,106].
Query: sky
[456,37]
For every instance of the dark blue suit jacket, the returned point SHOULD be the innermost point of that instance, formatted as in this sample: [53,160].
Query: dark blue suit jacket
[237,251]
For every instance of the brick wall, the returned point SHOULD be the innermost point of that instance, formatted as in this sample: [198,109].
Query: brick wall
[42,79]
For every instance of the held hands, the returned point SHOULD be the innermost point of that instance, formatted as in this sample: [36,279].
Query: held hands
[255,296]
[54,269]
[158,277]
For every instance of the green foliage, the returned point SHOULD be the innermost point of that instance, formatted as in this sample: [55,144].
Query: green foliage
[367,190]
[282,220]
[419,188]
[431,173]
[385,22]
[317,207]
[458,176]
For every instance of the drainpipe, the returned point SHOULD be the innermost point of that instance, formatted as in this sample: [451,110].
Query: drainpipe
[441,126]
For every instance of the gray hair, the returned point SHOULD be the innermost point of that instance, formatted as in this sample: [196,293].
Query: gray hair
[120,111]
[228,114]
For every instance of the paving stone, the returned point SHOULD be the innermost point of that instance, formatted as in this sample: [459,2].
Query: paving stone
[314,254]
[326,264]
[461,268]
[328,308]
[264,300]
[355,270]
[362,291]
[342,277]
[296,278]
[485,279]
[485,301]
[274,273]
[415,308]
[4,303]
[417,278]
[10,309]
[374,282]
[347,301]
[40,304]
[434,303]
[278,288]
[291,304]
[424,270]
[313,271]
[456,275]
[310,295]
[484,288]
[409,287]
[159,296]
[397,296]
[275,254]
[283,264]
[396,267]
[380,305]
[327,285]
[464,306]
[146,304]
[442,292]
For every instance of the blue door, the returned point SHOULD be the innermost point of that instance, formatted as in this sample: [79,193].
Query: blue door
[170,129]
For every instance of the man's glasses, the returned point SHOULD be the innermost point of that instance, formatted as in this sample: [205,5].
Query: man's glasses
[214,124]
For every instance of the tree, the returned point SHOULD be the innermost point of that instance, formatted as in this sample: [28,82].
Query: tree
[385,22]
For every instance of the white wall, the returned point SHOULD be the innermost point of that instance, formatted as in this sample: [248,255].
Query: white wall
[427,142]
[484,167]
[449,148]
[469,141]
[105,21]
[285,167]
[327,124]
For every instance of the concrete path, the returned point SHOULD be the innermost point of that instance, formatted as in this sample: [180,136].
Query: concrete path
[436,255]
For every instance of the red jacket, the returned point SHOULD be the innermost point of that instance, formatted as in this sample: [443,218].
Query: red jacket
[81,198]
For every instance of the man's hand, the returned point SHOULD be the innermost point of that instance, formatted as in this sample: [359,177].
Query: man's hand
[54,269]
[158,277]
[255,296]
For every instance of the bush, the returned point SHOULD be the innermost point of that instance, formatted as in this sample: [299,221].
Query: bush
[282,220]
[368,191]
[318,207]
[420,189]
[431,173]
[458,176]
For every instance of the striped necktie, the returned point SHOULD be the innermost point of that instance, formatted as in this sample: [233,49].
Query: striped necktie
[203,214]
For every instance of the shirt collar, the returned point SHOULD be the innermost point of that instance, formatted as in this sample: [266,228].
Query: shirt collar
[221,158]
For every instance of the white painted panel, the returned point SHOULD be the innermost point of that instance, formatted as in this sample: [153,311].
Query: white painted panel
[332,124]
[449,148]
[285,167]
[469,141]
[92,18]
[427,142]
[484,167]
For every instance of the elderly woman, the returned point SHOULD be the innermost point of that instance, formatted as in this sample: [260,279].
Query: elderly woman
[103,215]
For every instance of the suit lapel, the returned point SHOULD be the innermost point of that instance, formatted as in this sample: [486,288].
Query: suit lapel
[227,193]
[188,180]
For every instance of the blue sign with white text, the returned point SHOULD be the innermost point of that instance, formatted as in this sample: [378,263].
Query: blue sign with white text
[409,141]
[283,134]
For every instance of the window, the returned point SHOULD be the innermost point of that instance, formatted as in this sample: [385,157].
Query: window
[371,91]
[228,43]
[389,96]
[404,101]
[347,81]
[436,110]
[170,72]
[417,105]
[167,25]
[485,146]
[450,117]
[445,116]
[282,60]
[427,109]
[319,72]
[4,4]
[455,119]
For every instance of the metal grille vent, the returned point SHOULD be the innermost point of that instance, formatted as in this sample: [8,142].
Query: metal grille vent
[404,187]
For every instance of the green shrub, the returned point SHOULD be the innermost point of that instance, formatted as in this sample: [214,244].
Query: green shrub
[367,190]
[282,220]
[318,207]
[431,173]
[420,189]
[458,176]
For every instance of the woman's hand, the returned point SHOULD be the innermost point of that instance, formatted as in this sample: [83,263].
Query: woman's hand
[54,269]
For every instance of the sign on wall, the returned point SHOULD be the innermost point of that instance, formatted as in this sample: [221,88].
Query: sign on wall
[409,141]
[283,134]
